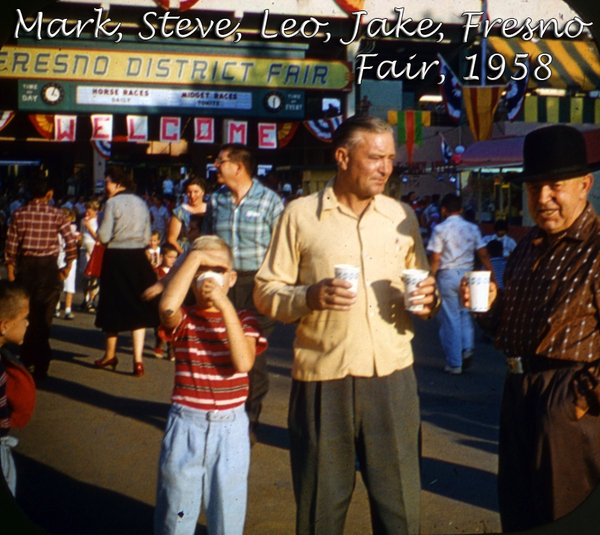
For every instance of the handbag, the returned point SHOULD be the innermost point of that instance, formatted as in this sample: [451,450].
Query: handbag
[94,265]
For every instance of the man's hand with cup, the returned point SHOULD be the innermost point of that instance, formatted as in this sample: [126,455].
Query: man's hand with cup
[465,294]
[332,294]
[423,299]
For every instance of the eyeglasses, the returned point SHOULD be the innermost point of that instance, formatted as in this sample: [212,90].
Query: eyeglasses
[220,161]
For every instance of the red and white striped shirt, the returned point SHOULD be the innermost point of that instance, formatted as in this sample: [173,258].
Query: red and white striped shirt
[204,374]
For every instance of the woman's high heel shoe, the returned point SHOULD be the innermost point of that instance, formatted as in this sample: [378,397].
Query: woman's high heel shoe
[138,369]
[100,363]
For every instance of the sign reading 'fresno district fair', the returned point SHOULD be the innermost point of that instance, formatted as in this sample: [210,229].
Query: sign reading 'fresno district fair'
[156,67]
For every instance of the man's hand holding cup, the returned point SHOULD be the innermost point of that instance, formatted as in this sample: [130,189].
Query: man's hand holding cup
[471,283]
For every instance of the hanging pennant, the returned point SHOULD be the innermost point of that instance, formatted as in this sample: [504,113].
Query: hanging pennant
[103,148]
[480,106]
[451,90]
[170,129]
[5,118]
[323,129]
[410,125]
[64,127]
[102,127]
[267,135]
[515,97]
[236,131]
[44,124]
[204,130]
[137,128]
[285,133]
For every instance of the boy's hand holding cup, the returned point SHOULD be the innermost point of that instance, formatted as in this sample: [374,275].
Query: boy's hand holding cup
[211,285]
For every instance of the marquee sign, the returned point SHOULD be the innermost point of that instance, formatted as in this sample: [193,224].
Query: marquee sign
[53,97]
[172,68]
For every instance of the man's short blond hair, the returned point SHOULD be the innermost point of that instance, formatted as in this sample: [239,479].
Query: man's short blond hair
[210,242]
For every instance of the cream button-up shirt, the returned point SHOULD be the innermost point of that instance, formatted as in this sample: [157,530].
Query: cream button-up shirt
[312,235]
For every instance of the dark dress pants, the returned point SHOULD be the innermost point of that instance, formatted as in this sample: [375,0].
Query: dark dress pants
[332,424]
[549,461]
[241,297]
[40,277]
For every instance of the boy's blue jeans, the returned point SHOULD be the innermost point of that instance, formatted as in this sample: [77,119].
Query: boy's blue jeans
[204,461]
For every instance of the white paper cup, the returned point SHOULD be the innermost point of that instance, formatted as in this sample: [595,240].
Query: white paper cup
[210,274]
[479,286]
[348,272]
[412,277]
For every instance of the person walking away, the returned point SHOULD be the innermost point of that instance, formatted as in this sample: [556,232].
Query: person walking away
[547,323]
[31,256]
[205,453]
[126,272]
[452,249]
[243,213]
[354,393]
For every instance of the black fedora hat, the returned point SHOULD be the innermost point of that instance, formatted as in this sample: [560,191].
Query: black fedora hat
[552,153]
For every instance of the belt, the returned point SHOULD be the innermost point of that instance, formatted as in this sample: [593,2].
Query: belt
[520,365]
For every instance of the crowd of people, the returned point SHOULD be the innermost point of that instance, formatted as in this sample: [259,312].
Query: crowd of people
[212,274]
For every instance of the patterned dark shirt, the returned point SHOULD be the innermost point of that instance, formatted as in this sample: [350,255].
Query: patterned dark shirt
[551,302]
[34,231]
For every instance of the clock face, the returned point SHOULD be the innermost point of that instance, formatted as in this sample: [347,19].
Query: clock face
[52,93]
[274,101]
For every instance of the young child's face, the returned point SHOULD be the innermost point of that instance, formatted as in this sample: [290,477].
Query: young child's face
[169,258]
[13,330]
[222,267]
[90,212]
[154,241]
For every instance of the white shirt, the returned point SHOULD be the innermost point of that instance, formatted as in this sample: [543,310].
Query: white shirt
[508,244]
[456,240]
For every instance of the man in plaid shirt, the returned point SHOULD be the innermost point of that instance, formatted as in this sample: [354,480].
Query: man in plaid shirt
[31,253]
[243,214]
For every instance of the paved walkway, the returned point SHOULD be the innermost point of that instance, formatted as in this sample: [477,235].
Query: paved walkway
[87,460]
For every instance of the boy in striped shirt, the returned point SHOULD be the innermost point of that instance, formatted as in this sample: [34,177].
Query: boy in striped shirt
[205,452]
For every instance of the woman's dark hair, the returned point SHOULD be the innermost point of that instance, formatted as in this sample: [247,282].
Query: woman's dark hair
[118,176]
[196,181]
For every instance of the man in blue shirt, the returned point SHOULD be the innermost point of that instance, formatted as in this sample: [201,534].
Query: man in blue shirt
[243,213]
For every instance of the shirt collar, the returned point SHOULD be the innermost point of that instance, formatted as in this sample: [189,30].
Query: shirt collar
[329,201]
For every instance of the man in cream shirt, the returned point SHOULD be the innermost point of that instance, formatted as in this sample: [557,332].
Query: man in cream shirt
[354,393]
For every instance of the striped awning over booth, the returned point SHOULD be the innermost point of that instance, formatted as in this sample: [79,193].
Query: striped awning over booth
[575,64]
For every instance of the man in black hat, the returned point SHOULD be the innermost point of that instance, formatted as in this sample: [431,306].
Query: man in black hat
[547,322]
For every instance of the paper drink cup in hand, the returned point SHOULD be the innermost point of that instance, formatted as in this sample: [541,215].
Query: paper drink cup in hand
[349,273]
[210,274]
[479,287]
[411,278]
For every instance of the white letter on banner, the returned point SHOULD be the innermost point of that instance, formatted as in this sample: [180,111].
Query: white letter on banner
[267,135]
[170,129]
[236,132]
[204,130]
[137,128]
[101,127]
[64,127]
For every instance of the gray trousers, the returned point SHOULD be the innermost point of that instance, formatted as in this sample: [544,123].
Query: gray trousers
[334,424]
